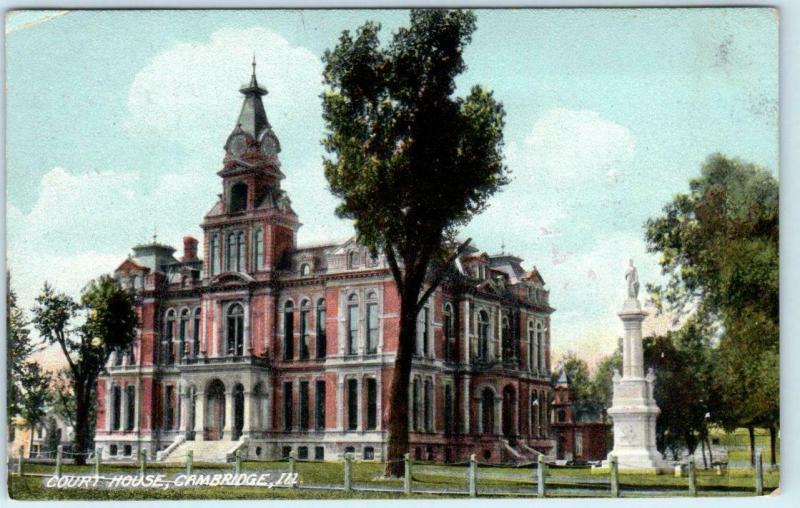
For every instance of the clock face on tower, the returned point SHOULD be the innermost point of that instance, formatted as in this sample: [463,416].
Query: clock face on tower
[237,145]
[269,143]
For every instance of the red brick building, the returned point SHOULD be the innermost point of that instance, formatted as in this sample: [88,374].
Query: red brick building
[576,441]
[269,347]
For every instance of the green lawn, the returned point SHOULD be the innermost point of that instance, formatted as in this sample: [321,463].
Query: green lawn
[492,480]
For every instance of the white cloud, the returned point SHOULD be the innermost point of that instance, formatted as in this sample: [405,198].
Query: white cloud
[83,225]
[567,145]
[189,93]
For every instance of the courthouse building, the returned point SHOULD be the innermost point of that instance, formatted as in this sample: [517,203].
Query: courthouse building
[250,342]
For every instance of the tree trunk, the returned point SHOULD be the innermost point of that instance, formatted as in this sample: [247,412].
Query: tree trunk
[397,445]
[773,438]
[703,449]
[81,423]
[751,432]
[710,453]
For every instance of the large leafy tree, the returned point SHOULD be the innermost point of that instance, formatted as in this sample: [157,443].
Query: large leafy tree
[27,384]
[719,251]
[87,332]
[410,161]
[602,387]
[683,391]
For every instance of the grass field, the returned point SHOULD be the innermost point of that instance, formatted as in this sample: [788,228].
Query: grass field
[492,482]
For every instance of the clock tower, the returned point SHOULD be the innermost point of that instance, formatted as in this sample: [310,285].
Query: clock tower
[253,224]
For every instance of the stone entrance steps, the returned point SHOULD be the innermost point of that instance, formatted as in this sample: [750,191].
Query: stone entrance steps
[203,451]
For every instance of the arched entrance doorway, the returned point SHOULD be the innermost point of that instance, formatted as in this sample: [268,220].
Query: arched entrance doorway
[215,412]
[238,411]
[509,403]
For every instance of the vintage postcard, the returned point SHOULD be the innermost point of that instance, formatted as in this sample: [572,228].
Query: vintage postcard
[339,254]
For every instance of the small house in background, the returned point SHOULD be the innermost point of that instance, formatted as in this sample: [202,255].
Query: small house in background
[576,441]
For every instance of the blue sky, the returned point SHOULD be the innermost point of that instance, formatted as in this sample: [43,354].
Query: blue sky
[116,122]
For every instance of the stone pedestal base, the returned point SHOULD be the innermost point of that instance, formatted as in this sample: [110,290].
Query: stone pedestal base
[634,414]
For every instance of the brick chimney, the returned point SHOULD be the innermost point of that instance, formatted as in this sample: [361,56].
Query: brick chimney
[189,249]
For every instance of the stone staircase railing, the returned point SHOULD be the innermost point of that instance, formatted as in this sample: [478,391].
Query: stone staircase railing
[163,454]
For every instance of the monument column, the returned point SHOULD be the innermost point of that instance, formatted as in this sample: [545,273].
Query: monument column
[634,410]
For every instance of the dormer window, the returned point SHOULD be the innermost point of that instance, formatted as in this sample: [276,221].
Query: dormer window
[305,270]
[352,259]
[238,197]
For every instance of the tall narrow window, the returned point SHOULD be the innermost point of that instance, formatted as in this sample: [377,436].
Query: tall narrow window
[169,407]
[287,406]
[213,255]
[303,423]
[352,325]
[288,331]
[235,339]
[322,342]
[428,407]
[182,329]
[487,418]
[483,336]
[169,336]
[448,410]
[449,329]
[230,252]
[507,339]
[320,406]
[240,252]
[425,331]
[116,404]
[352,404]
[531,345]
[304,310]
[372,328]
[258,249]
[131,352]
[540,346]
[130,396]
[196,333]
[415,405]
[372,404]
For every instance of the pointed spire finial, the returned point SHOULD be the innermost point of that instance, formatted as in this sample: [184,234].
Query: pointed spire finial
[254,63]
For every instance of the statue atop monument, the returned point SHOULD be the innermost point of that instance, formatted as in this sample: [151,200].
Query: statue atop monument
[632,278]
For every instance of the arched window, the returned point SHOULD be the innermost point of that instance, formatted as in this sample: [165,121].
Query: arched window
[372,323]
[230,252]
[240,252]
[258,249]
[449,331]
[238,195]
[352,259]
[322,341]
[196,333]
[182,329]
[305,308]
[483,336]
[169,336]
[235,329]
[288,331]
[352,325]
[213,255]
[305,270]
